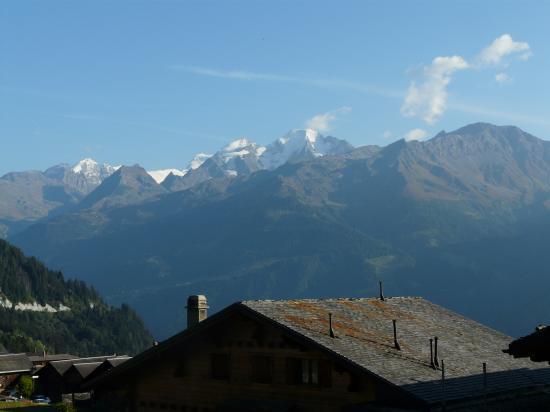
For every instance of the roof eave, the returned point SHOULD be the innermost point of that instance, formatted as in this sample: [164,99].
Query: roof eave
[161,347]
[207,323]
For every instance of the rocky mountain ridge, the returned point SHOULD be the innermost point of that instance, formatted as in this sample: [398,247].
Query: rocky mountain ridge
[28,196]
[462,209]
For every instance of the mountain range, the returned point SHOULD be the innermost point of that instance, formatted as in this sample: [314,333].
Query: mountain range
[461,219]
[243,157]
[28,196]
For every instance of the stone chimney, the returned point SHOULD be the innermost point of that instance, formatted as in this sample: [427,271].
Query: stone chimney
[197,309]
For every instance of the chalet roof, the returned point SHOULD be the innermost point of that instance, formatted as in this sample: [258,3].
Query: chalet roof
[364,336]
[36,357]
[85,369]
[114,362]
[14,363]
[364,340]
[104,367]
[62,366]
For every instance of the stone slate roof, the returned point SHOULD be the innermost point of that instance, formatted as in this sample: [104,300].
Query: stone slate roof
[62,366]
[105,367]
[14,363]
[85,369]
[364,339]
[38,357]
[364,336]
[114,362]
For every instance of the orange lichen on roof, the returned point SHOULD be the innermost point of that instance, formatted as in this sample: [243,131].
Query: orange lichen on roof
[383,309]
[342,325]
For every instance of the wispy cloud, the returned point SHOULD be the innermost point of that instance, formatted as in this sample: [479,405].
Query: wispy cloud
[416,134]
[313,81]
[427,99]
[387,134]
[502,78]
[500,48]
[323,122]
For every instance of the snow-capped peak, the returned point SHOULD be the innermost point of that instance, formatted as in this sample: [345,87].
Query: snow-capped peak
[311,135]
[240,148]
[160,175]
[237,144]
[198,160]
[300,135]
[85,166]
[297,144]
[243,157]
[91,172]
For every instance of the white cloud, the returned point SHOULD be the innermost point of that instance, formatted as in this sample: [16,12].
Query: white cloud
[428,99]
[416,134]
[387,134]
[322,122]
[501,47]
[502,78]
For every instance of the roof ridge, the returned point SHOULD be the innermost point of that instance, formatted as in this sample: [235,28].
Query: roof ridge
[87,363]
[331,299]
[77,359]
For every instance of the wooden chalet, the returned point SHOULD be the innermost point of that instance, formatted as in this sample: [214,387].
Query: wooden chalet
[401,353]
[13,365]
[79,373]
[105,366]
[76,374]
[51,376]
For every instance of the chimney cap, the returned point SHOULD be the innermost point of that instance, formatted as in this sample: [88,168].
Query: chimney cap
[197,301]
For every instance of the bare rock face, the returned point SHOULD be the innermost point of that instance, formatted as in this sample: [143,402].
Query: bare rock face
[28,196]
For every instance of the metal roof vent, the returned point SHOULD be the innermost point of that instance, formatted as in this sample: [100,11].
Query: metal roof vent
[395,342]
[381,290]
[330,329]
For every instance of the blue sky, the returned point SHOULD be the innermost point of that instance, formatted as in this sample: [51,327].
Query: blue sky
[154,82]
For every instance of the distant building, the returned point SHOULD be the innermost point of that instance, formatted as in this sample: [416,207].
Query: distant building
[55,381]
[400,353]
[41,359]
[105,366]
[13,365]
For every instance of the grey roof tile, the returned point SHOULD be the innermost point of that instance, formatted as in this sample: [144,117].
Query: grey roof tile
[364,335]
[14,363]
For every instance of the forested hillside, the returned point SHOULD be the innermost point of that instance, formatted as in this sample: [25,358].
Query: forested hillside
[39,308]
